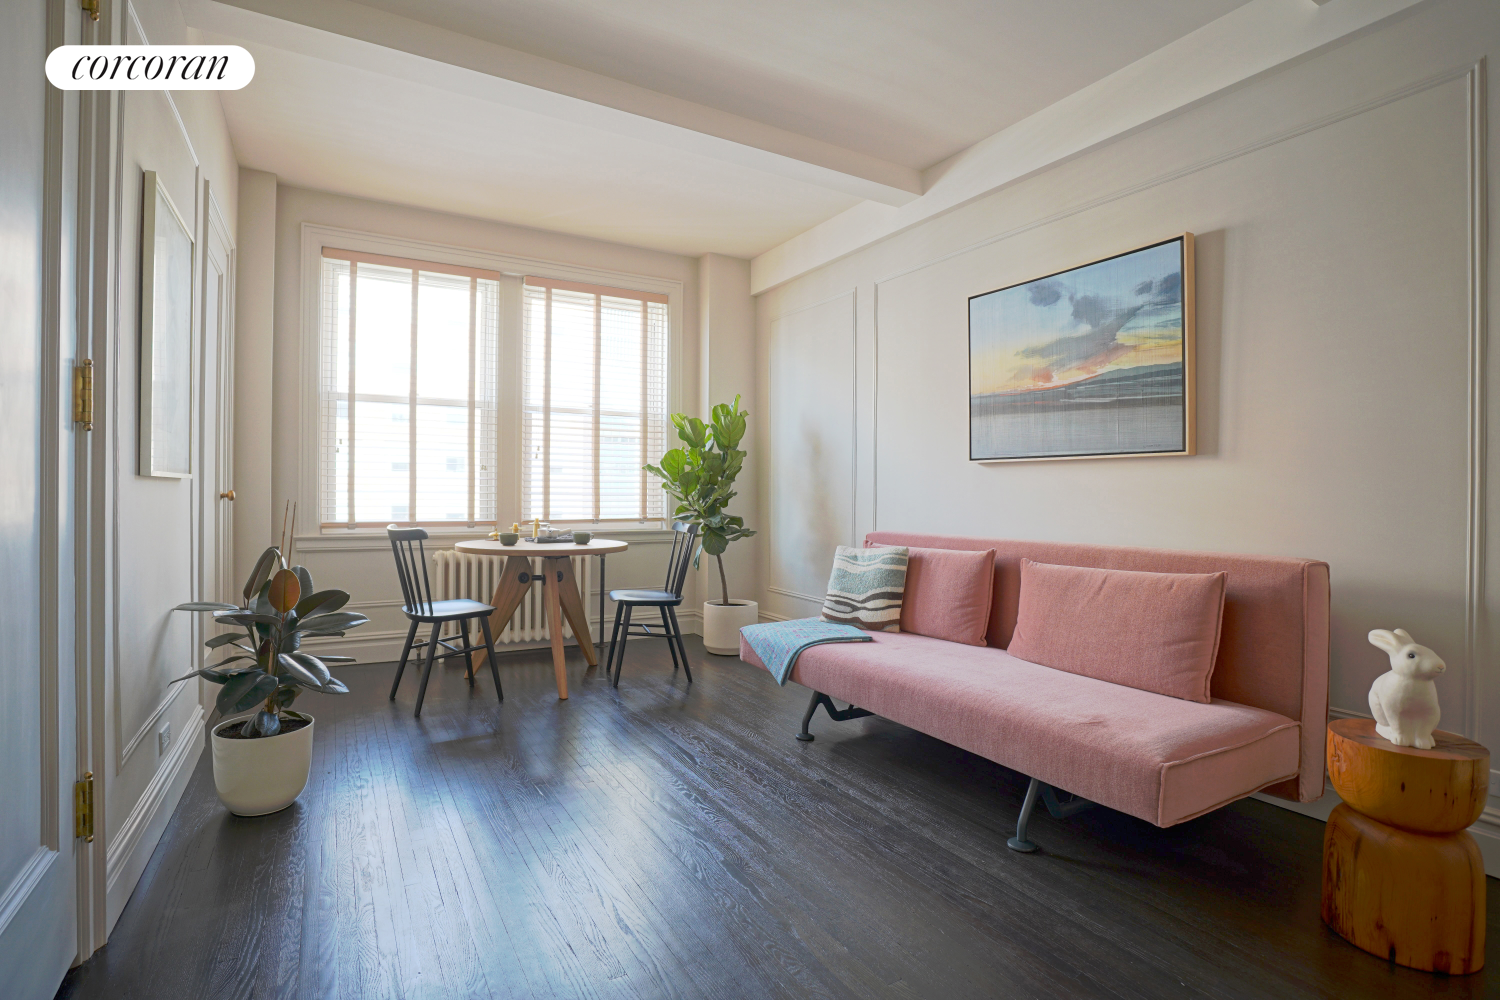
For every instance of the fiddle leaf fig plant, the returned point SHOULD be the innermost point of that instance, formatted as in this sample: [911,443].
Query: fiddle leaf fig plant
[700,477]
[266,665]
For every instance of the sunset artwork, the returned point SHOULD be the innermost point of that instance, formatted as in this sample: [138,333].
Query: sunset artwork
[1090,362]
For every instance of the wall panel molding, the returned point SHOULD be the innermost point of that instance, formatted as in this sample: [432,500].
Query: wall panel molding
[776,586]
[155,801]
[792,593]
[163,707]
[1476,649]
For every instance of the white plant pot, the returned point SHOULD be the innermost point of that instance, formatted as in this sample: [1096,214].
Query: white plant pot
[722,624]
[265,775]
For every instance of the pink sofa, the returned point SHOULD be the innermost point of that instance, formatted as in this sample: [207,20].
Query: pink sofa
[1162,759]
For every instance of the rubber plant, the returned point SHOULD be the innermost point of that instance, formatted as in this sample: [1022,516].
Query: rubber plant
[267,665]
[700,477]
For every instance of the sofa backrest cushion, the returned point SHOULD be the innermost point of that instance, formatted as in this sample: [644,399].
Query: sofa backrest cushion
[1154,631]
[1273,647]
[948,594]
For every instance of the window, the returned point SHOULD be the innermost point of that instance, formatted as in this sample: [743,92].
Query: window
[456,396]
[409,388]
[593,401]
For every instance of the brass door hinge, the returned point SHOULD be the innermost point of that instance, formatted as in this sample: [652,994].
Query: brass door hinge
[83,394]
[92,6]
[83,808]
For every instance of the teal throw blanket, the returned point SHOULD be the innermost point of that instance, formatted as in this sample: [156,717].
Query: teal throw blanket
[778,644]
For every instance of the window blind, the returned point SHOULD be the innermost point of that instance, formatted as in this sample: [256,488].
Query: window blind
[594,401]
[409,390]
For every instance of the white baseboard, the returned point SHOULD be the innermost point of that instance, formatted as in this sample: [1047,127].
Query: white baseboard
[1486,829]
[129,850]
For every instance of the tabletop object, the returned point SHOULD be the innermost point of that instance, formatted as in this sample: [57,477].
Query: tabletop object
[562,597]
[1402,877]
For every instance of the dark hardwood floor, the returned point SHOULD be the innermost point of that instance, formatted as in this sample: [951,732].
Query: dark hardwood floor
[667,840]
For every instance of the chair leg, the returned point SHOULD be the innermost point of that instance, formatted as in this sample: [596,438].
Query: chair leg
[489,645]
[609,661]
[676,637]
[463,628]
[624,638]
[432,647]
[666,626]
[411,636]
[614,642]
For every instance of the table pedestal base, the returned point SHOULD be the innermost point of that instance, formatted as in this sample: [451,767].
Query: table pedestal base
[1416,899]
[561,600]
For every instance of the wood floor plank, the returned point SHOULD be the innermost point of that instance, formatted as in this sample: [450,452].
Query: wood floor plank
[671,840]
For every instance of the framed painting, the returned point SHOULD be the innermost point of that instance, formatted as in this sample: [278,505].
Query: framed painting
[166,438]
[1092,362]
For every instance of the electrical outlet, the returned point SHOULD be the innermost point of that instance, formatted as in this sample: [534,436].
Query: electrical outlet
[163,738]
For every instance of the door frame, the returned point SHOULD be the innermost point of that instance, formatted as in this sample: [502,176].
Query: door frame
[98,139]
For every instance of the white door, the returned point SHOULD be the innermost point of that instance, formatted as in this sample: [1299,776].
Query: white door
[38,189]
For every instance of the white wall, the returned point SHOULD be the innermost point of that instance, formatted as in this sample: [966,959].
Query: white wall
[363,565]
[1338,253]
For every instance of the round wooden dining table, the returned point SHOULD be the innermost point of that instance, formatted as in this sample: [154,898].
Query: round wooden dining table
[556,578]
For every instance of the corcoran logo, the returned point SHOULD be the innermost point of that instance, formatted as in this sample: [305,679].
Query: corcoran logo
[150,67]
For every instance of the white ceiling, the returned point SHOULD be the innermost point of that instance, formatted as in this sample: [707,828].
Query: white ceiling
[690,127]
[320,125]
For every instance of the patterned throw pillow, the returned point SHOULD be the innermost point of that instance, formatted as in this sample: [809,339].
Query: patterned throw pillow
[866,587]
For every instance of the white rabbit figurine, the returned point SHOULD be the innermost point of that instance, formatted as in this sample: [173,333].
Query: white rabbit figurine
[1404,701]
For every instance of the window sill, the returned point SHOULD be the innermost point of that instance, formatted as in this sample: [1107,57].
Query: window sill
[372,539]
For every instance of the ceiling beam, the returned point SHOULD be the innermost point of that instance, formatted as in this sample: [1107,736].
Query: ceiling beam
[354,35]
[1244,44]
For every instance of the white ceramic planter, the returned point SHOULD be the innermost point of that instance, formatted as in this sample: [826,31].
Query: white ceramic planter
[722,624]
[256,777]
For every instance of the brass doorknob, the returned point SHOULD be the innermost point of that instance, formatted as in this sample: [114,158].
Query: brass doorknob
[229,495]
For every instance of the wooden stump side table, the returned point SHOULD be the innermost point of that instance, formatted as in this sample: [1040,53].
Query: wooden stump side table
[1402,877]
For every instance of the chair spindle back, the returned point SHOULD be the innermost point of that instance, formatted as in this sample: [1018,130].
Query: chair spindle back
[411,567]
[682,556]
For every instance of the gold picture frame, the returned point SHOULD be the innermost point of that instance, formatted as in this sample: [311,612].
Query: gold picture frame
[1095,361]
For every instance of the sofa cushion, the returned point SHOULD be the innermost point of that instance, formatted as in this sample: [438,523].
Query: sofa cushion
[1154,631]
[948,594]
[866,587]
[1164,760]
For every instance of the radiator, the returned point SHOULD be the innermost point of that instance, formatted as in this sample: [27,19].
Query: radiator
[461,574]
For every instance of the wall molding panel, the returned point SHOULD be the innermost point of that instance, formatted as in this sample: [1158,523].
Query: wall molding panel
[820,417]
[1476,637]
[131,846]
[131,745]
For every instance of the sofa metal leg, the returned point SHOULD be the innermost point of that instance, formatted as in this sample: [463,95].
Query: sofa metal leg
[1019,841]
[836,714]
[1059,810]
[812,706]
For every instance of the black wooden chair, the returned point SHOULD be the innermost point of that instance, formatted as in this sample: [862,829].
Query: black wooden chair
[420,608]
[664,600]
